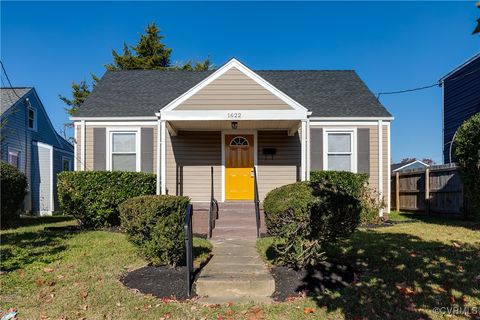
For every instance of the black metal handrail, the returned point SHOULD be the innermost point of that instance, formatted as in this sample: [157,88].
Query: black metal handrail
[213,209]
[256,200]
[189,247]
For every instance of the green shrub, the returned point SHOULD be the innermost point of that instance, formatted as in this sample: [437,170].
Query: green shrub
[307,216]
[93,196]
[155,225]
[467,155]
[356,185]
[351,182]
[13,184]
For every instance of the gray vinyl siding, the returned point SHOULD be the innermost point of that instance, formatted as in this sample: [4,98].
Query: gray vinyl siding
[15,135]
[461,100]
[189,156]
[284,167]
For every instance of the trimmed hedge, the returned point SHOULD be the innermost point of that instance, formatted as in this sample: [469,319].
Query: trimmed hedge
[93,196]
[308,216]
[13,190]
[356,185]
[155,225]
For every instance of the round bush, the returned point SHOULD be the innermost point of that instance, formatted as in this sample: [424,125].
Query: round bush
[13,186]
[467,155]
[306,216]
[155,225]
[93,196]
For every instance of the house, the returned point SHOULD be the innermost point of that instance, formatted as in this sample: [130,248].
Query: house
[285,123]
[409,165]
[461,100]
[30,143]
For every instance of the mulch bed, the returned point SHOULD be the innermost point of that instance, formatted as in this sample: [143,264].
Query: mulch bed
[314,280]
[162,281]
[388,223]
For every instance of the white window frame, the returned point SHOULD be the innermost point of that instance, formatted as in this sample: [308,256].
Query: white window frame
[69,163]
[110,132]
[353,143]
[35,117]
[18,155]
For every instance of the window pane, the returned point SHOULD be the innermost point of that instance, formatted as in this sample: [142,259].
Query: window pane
[340,162]
[123,142]
[14,159]
[339,142]
[31,118]
[124,162]
[66,165]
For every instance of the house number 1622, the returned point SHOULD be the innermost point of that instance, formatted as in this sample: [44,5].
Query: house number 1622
[234,115]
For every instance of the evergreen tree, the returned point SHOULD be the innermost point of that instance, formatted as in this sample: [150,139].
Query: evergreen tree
[148,54]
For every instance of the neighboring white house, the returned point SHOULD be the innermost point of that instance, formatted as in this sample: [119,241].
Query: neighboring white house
[409,165]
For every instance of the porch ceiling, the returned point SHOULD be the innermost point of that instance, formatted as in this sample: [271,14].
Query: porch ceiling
[290,125]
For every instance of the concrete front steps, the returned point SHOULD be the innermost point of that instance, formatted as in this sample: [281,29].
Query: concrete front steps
[235,273]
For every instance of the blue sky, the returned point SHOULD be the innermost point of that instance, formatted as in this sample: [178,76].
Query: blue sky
[392,46]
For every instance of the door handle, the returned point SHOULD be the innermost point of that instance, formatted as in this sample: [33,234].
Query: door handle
[251,173]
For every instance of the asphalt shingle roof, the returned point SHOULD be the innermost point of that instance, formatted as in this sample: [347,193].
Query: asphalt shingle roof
[327,93]
[8,97]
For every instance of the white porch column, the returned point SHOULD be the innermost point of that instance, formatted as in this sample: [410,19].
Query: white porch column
[163,154]
[380,162]
[303,137]
[82,148]
[159,144]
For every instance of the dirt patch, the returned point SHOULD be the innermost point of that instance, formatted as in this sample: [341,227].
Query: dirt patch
[313,280]
[162,281]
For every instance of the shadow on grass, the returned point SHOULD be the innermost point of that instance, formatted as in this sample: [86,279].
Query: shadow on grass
[29,221]
[24,248]
[401,273]
[446,220]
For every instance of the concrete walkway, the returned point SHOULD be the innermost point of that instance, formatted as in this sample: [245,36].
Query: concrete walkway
[236,273]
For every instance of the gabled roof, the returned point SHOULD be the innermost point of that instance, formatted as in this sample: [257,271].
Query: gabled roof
[326,93]
[404,165]
[466,63]
[10,96]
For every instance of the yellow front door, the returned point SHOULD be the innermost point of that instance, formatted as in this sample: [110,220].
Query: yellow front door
[239,167]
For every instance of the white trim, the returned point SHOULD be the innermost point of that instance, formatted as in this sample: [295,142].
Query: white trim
[202,115]
[75,147]
[35,116]
[380,162]
[353,144]
[344,123]
[233,63]
[112,118]
[18,155]
[351,118]
[410,163]
[308,150]
[303,150]
[443,122]
[159,172]
[255,152]
[389,171]
[138,141]
[163,155]
[475,56]
[47,146]
[82,152]
[120,123]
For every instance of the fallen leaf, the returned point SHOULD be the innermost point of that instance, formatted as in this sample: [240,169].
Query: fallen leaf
[461,268]
[405,290]
[452,299]
[51,283]
[60,277]
[413,254]
[83,294]
[308,310]
[47,269]
[441,290]
[255,313]
[40,282]
[21,273]
[463,299]
[456,245]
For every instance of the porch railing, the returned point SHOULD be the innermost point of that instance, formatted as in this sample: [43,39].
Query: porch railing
[213,209]
[188,228]
[256,200]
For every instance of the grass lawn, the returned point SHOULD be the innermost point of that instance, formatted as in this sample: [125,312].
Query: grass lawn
[76,275]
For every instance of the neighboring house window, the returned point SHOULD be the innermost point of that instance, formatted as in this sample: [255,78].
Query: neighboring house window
[66,164]
[124,153]
[14,158]
[32,118]
[340,153]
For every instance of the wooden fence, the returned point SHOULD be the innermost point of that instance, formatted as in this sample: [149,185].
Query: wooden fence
[435,189]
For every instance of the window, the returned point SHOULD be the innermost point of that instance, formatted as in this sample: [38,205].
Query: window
[239,141]
[124,151]
[14,158]
[340,151]
[32,118]
[66,164]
